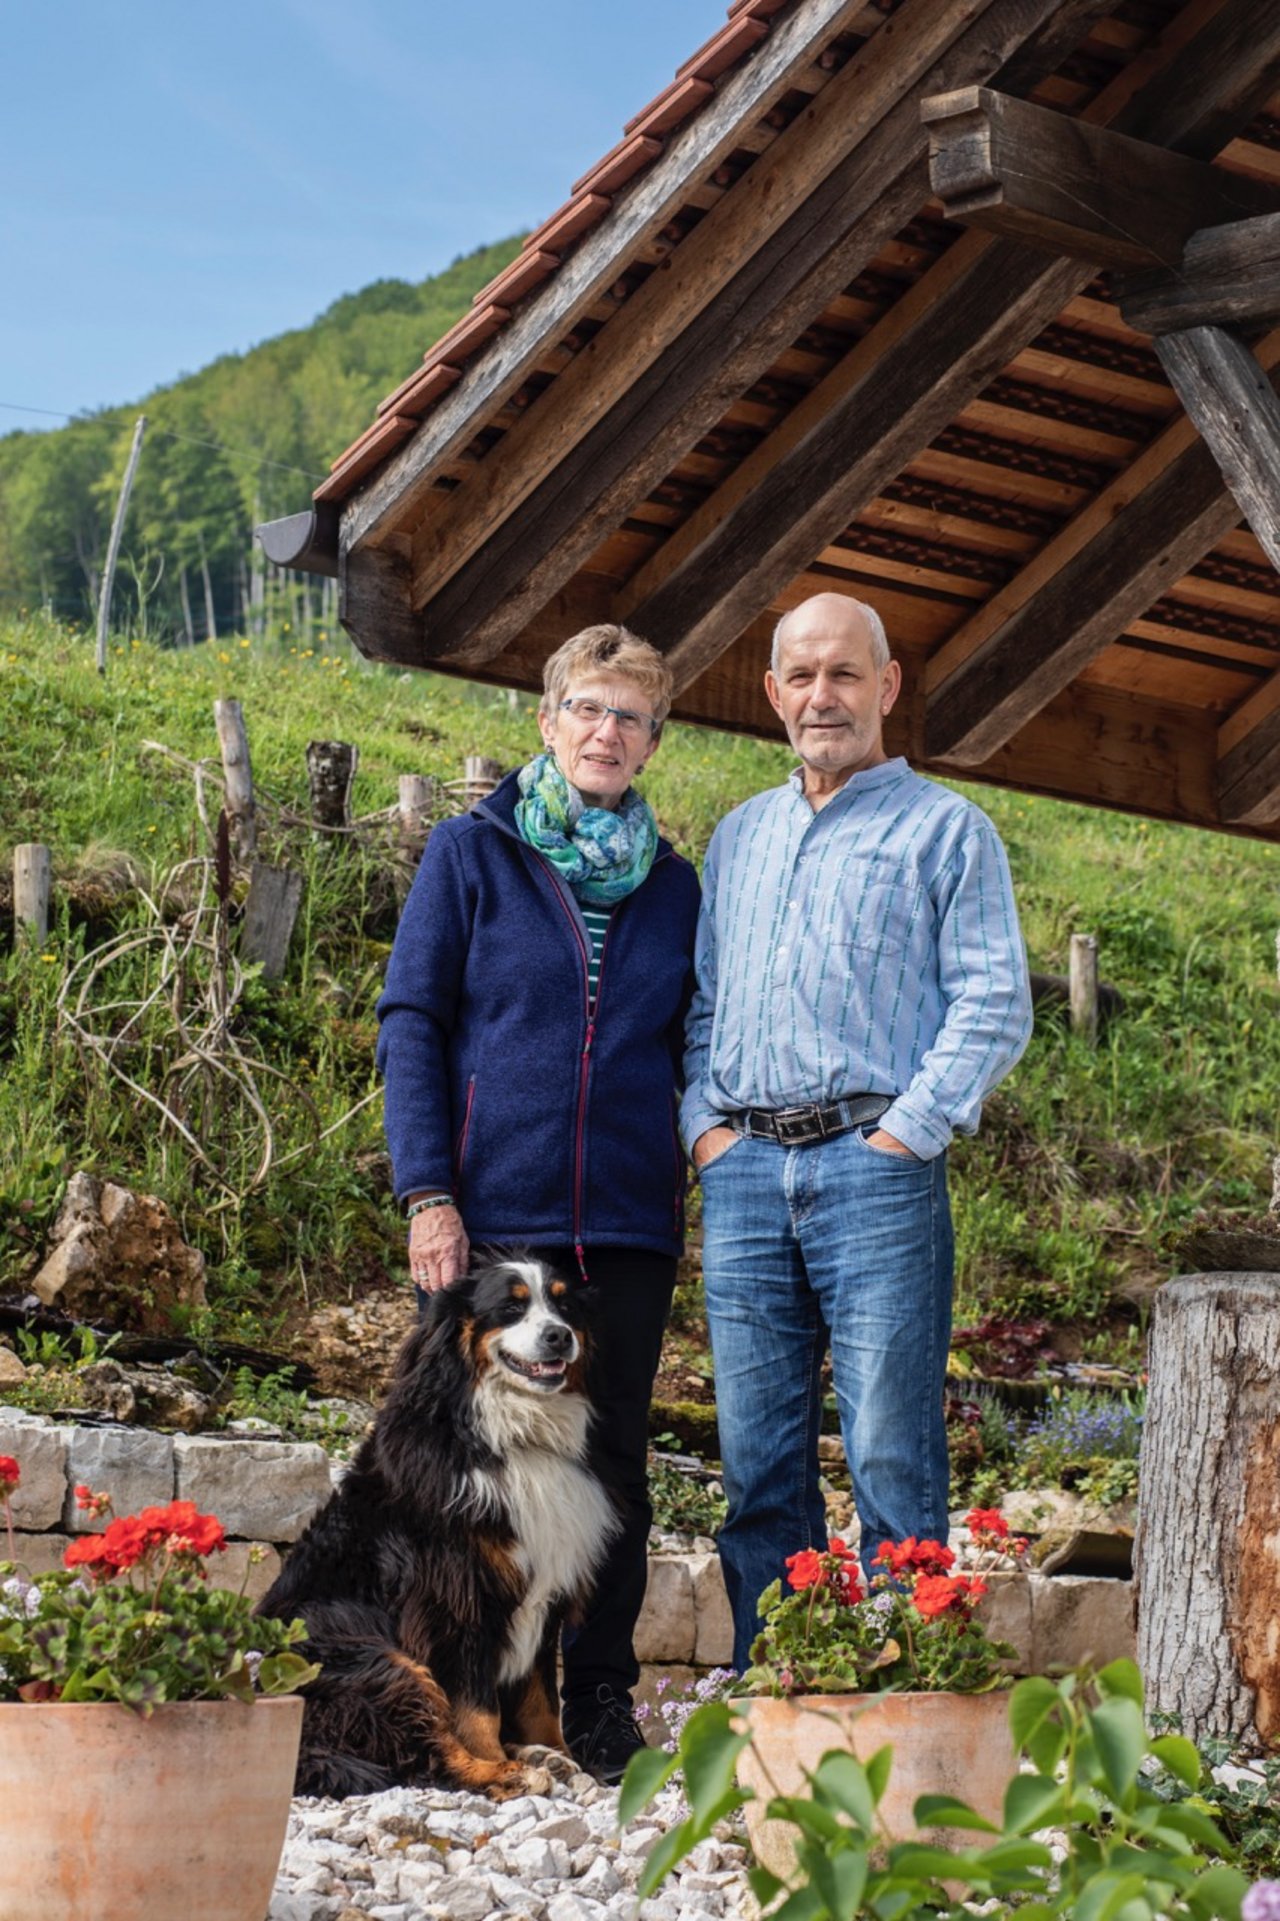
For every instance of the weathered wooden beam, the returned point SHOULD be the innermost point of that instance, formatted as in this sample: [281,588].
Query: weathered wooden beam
[793,44]
[908,378]
[1069,187]
[1248,770]
[374,605]
[1229,276]
[1232,403]
[1105,568]
[664,408]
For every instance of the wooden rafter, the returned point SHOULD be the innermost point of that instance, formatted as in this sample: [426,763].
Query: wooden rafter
[1232,403]
[1073,188]
[1108,565]
[925,361]
[1228,276]
[1248,770]
[671,386]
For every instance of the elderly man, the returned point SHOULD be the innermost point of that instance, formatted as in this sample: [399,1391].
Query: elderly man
[861,988]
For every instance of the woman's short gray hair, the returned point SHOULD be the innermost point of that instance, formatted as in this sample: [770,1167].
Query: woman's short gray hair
[880,655]
[608,649]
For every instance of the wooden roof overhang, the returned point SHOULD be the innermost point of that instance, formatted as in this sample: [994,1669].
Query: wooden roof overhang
[970,308]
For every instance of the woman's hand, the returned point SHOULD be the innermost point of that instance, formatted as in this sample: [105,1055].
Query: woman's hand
[438,1248]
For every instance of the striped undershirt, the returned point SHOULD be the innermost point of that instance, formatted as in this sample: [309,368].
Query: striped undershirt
[597,919]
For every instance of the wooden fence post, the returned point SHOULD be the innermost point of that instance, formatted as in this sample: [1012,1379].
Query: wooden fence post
[482,776]
[419,803]
[237,772]
[1082,974]
[331,768]
[1207,1566]
[270,910]
[32,876]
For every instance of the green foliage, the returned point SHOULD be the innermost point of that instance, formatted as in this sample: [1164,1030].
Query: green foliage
[1245,1803]
[1129,1854]
[684,1503]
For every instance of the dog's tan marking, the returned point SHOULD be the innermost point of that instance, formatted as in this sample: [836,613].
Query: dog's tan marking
[557,1290]
[519,1292]
[502,1561]
[537,1720]
[478,1731]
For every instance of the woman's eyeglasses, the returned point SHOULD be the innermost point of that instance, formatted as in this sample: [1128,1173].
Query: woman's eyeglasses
[592,712]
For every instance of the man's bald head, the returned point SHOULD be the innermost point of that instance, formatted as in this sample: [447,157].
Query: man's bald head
[831,613]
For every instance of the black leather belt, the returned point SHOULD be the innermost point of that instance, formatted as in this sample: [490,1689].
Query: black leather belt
[802,1126]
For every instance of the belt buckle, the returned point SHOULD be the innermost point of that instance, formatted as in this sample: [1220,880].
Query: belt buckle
[796,1126]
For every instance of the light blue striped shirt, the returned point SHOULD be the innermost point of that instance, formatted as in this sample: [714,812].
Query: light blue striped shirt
[869,948]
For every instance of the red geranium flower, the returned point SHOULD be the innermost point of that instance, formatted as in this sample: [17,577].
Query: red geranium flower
[9,1475]
[805,1569]
[938,1594]
[901,1558]
[987,1520]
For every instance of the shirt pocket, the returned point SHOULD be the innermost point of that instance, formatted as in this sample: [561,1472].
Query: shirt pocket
[886,907]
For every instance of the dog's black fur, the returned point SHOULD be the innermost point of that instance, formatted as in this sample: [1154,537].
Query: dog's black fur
[434,1582]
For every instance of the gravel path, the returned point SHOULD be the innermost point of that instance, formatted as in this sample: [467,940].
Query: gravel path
[434,1855]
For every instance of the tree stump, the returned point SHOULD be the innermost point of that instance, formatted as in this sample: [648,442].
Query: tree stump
[1208,1547]
[482,775]
[32,882]
[237,771]
[331,768]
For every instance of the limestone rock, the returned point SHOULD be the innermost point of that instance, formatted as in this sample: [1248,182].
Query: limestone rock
[261,1490]
[119,1257]
[713,1643]
[41,1454]
[12,1371]
[133,1467]
[146,1392]
[666,1630]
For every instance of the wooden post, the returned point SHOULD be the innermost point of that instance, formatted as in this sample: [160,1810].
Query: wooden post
[419,803]
[113,545]
[1082,975]
[270,910]
[1208,1548]
[331,768]
[32,871]
[238,774]
[482,776]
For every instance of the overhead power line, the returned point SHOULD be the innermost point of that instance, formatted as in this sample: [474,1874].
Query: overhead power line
[168,433]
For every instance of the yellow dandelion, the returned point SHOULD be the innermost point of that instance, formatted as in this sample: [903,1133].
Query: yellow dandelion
[244,643]
[48,959]
[223,657]
[152,828]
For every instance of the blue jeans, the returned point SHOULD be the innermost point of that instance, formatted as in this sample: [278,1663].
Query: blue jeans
[838,1242]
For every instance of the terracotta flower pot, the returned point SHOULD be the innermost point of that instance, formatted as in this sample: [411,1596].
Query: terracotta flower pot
[180,1817]
[955,1744]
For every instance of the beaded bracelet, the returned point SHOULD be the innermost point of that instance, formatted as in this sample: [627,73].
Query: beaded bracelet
[431,1200]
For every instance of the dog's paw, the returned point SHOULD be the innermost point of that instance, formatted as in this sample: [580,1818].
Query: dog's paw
[538,1780]
[560,1766]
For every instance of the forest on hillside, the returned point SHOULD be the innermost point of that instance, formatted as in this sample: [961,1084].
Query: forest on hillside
[242,441]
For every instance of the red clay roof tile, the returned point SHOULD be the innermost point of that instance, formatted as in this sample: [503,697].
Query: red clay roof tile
[672,106]
[364,454]
[570,222]
[619,165]
[725,49]
[527,271]
[421,390]
[469,333]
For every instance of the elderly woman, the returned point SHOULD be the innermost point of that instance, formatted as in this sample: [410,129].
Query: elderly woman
[532,1034]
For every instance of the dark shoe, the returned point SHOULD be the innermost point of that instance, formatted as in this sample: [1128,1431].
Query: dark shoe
[602,1733]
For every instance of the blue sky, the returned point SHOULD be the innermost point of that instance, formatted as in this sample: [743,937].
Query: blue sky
[179,181]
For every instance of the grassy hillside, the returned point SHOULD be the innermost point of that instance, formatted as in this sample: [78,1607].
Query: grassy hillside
[1088,1165]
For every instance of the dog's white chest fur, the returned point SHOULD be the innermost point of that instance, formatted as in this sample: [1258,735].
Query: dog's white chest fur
[557,1509]
[562,1522]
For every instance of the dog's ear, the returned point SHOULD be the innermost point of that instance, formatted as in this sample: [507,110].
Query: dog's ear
[428,1384]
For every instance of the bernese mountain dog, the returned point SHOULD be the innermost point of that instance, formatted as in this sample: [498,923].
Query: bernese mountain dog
[434,1582]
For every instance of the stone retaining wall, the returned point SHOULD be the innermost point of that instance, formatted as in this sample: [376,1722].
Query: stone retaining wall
[264,1492]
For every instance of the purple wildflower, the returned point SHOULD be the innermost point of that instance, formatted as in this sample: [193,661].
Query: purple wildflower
[1262,1903]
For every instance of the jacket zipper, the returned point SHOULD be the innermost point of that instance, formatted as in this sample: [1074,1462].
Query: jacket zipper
[584,1062]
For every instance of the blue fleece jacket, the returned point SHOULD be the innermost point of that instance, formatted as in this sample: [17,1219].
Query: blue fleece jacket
[549,1125]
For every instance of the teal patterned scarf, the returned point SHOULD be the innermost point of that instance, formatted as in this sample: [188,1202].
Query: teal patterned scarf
[602,856]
